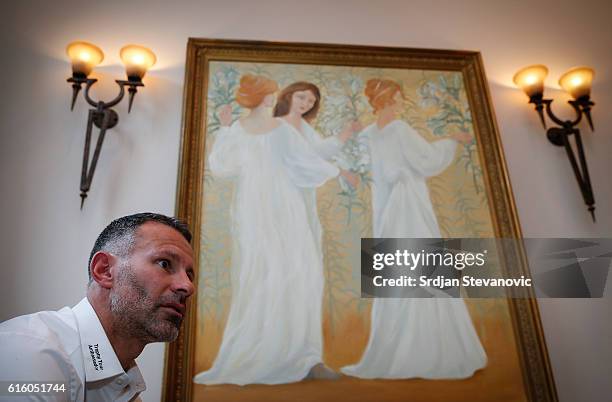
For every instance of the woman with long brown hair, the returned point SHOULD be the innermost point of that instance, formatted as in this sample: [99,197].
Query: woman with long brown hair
[427,337]
[273,333]
[298,104]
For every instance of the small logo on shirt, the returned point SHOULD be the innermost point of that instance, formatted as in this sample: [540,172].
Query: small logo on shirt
[96,359]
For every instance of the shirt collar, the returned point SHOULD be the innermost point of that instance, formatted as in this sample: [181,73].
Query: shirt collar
[99,357]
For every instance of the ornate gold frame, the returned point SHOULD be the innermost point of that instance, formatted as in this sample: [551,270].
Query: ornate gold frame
[533,355]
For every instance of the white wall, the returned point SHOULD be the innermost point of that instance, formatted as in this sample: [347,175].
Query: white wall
[45,238]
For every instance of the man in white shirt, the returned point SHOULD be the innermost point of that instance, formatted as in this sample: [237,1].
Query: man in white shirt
[140,276]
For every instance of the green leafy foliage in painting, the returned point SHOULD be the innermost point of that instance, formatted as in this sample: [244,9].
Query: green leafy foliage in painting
[447,95]
[344,104]
[223,84]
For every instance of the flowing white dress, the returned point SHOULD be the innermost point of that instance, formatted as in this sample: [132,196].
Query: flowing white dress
[326,148]
[273,333]
[426,338]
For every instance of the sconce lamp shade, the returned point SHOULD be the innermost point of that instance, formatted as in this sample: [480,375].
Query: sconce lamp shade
[577,81]
[84,57]
[531,79]
[137,60]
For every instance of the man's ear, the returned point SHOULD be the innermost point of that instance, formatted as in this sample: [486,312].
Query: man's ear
[100,269]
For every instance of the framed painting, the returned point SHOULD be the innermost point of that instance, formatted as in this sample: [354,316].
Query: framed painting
[285,150]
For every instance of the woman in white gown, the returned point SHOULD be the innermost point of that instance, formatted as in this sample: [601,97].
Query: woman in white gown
[430,338]
[273,331]
[298,104]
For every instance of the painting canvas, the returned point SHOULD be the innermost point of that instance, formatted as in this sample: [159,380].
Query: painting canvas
[239,204]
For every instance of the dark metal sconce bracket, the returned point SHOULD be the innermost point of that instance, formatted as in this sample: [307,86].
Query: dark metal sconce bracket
[113,119]
[555,136]
[559,136]
[103,117]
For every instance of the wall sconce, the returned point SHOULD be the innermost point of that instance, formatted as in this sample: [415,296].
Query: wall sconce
[576,82]
[85,57]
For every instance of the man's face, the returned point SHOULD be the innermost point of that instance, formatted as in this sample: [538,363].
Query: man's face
[152,284]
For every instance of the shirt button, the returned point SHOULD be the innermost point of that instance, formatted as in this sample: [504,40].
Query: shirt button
[120,381]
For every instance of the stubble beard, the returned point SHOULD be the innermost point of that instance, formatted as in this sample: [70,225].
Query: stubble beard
[136,314]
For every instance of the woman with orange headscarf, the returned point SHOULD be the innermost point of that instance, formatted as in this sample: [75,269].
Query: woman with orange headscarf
[273,333]
[428,337]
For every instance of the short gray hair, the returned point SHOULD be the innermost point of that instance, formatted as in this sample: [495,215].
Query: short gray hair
[119,236]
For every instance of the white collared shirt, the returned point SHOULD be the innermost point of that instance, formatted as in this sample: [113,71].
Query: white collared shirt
[67,346]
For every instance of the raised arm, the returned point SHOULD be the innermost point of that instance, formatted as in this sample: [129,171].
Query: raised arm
[225,158]
[426,158]
[305,166]
[330,146]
